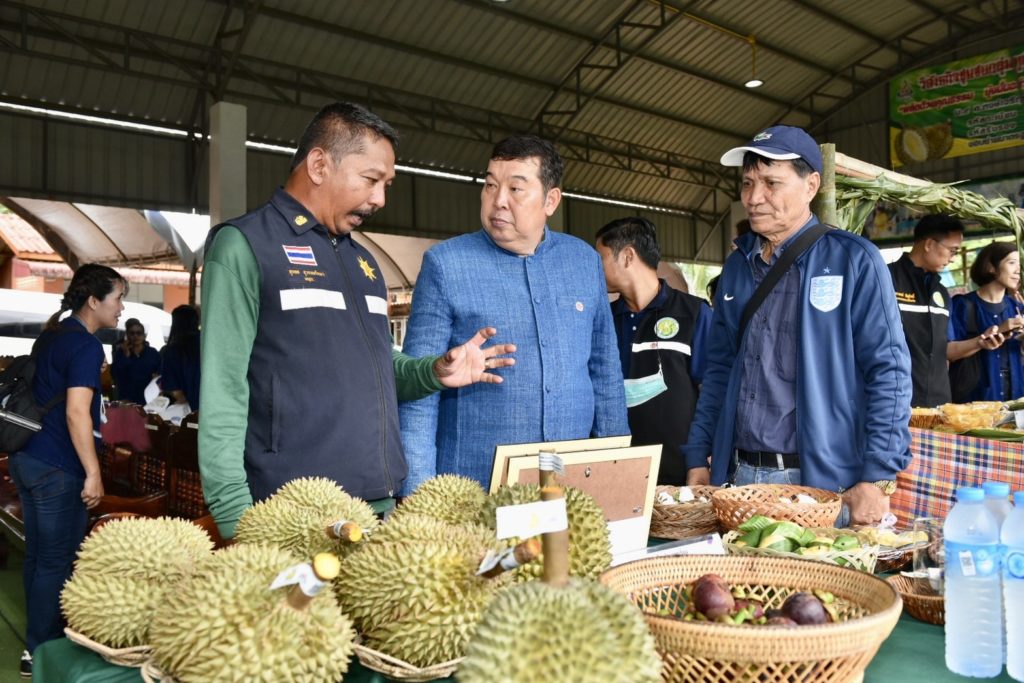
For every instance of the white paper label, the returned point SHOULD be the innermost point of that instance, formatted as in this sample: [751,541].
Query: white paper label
[550,462]
[532,519]
[301,574]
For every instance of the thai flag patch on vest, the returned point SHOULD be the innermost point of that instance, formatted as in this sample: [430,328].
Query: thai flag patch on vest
[299,256]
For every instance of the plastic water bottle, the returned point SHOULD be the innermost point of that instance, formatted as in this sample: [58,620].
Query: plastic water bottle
[997,499]
[1013,585]
[974,614]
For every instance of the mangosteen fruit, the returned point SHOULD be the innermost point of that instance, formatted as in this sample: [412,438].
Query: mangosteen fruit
[805,609]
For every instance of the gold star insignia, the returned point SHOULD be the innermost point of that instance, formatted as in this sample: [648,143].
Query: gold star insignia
[368,270]
[300,220]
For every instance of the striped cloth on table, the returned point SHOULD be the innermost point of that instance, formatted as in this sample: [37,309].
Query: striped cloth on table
[942,462]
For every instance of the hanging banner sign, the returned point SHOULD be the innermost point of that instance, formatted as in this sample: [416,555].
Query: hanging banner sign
[958,108]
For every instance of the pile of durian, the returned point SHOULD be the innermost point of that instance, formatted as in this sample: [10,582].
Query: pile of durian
[413,588]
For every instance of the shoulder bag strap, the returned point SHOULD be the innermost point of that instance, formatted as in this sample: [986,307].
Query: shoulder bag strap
[775,273]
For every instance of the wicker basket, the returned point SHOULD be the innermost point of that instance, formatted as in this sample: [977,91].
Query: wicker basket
[929,607]
[892,559]
[123,656]
[862,558]
[684,520]
[402,671]
[738,504]
[704,652]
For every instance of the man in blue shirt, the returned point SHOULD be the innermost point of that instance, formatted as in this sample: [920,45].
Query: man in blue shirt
[541,288]
[818,389]
[662,335]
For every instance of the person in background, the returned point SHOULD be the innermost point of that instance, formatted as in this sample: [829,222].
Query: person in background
[712,288]
[135,363]
[992,307]
[816,391]
[924,305]
[300,378]
[57,472]
[661,334]
[546,290]
[179,370]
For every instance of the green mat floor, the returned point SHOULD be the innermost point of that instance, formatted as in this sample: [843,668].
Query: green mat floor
[12,617]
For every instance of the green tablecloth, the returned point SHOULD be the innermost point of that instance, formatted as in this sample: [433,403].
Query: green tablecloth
[914,652]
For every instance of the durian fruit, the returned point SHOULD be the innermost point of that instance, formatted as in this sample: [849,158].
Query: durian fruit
[226,624]
[298,515]
[912,146]
[124,571]
[580,632]
[940,139]
[448,497]
[416,600]
[412,527]
[589,546]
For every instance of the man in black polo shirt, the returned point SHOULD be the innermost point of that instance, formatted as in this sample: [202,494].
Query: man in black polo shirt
[924,305]
[661,333]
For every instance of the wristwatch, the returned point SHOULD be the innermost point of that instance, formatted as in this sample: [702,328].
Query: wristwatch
[887,486]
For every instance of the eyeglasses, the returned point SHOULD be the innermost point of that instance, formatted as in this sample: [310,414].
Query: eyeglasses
[953,251]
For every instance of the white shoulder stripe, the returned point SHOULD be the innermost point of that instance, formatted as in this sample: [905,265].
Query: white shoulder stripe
[376,304]
[921,308]
[665,345]
[293,299]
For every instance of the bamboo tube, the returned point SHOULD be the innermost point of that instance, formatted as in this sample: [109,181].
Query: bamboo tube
[825,201]
[343,530]
[325,567]
[525,552]
[555,544]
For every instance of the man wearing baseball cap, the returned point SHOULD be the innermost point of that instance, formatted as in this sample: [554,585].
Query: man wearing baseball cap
[809,383]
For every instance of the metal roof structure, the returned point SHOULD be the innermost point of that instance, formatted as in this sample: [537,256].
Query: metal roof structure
[642,96]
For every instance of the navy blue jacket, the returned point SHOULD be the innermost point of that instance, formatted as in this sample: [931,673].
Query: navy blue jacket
[853,369]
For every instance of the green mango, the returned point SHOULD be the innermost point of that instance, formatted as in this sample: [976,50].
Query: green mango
[823,541]
[777,542]
[845,542]
[788,530]
[807,537]
[751,538]
[755,523]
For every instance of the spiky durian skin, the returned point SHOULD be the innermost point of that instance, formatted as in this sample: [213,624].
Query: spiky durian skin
[582,632]
[225,624]
[124,570]
[412,527]
[294,518]
[589,546]
[418,601]
[448,497]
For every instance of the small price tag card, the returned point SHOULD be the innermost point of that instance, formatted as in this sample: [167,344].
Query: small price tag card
[532,519]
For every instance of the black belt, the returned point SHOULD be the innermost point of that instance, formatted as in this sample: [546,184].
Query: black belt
[775,461]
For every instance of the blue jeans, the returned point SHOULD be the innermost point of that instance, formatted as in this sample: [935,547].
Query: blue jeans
[748,474]
[55,522]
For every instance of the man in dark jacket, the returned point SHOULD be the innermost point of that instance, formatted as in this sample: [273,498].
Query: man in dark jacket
[661,333]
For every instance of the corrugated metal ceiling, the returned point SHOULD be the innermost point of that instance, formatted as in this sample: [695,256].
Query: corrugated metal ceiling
[665,79]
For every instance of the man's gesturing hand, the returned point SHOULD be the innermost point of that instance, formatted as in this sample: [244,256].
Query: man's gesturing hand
[470,362]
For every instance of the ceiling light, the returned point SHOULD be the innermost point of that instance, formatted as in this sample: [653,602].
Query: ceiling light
[754,81]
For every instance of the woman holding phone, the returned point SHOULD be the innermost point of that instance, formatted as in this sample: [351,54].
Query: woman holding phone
[996,272]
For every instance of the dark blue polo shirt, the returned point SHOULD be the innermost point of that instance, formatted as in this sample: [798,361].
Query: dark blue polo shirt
[180,371]
[132,374]
[71,359]
[626,323]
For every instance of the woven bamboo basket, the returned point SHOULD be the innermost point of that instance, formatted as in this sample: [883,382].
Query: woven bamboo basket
[684,520]
[402,671]
[862,558]
[929,607]
[702,652]
[892,559]
[735,505]
[123,656]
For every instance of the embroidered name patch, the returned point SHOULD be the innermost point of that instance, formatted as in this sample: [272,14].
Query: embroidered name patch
[299,256]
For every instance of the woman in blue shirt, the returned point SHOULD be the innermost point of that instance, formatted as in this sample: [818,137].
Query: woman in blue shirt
[179,373]
[57,472]
[996,272]
[135,363]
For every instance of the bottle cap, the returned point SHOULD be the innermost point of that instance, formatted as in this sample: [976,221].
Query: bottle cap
[996,489]
[1018,499]
[970,494]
